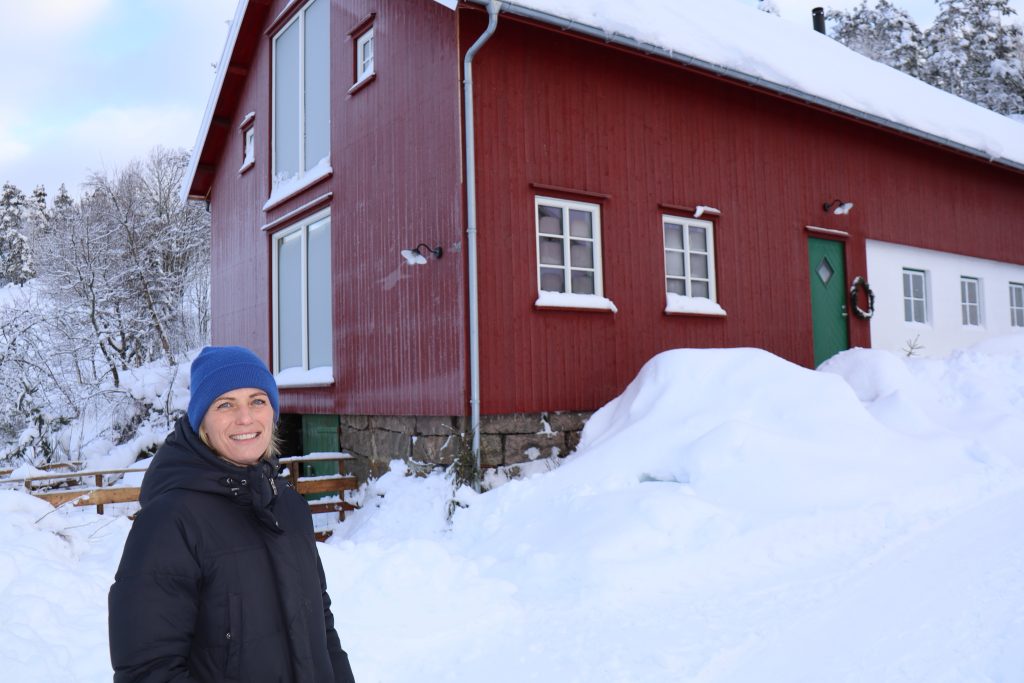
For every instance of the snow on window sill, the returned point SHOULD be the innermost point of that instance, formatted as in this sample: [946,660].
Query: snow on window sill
[591,302]
[692,305]
[246,166]
[286,189]
[362,83]
[297,377]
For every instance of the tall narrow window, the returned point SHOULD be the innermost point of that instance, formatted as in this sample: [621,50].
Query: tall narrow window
[364,55]
[302,296]
[689,257]
[1016,304]
[970,301]
[301,67]
[568,246]
[915,297]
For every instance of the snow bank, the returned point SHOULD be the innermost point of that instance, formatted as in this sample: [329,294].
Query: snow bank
[729,518]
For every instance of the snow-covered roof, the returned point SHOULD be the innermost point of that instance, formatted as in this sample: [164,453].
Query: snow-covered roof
[740,42]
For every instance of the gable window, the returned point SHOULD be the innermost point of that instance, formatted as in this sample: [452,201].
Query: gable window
[689,257]
[364,55]
[970,301]
[1016,304]
[568,247]
[248,147]
[302,302]
[915,298]
[301,97]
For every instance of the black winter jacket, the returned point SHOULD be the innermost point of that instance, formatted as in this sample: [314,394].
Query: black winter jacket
[220,579]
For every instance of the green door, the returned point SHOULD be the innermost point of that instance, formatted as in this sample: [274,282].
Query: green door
[828,298]
[319,435]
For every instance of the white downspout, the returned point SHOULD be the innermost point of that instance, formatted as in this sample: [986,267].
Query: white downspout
[493,7]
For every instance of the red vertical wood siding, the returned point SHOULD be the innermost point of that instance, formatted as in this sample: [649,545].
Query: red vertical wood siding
[559,110]
[562,111]
[399,333]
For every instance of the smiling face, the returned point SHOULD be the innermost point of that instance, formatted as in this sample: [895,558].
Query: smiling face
[238,425]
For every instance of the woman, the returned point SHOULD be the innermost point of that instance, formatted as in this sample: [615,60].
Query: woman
[220,579]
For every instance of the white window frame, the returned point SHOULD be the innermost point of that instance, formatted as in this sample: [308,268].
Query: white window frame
[1016,304]
[304,376]
[248,146]
[365,67]
[685,223]
[566,205]
[303,172]
[908,295]
[967,306]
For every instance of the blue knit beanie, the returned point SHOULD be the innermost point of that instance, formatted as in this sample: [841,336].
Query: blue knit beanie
[220,369]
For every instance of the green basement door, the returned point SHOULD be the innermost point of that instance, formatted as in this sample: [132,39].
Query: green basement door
[319,435]
[828,298]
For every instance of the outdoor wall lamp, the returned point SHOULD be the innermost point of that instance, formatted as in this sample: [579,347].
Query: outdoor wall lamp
[418,254]
[840,207]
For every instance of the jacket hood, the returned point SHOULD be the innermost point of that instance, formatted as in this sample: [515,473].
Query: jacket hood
[185,462]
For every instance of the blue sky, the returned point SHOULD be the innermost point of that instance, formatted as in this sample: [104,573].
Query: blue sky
[89,85]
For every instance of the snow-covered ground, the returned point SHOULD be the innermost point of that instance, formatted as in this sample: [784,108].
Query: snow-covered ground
[731,517]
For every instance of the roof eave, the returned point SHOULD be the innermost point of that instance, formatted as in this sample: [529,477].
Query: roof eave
[189,189]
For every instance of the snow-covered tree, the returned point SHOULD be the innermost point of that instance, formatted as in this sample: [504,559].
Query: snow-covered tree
[883,32]
[15,257]
[123,281]
[974,50]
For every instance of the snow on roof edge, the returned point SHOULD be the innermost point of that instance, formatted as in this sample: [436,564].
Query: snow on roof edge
[558,14]
[211,103]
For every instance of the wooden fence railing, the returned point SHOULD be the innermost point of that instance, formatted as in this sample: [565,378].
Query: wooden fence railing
[94,487]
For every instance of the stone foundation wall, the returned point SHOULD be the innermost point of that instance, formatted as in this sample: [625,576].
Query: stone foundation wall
[376,440]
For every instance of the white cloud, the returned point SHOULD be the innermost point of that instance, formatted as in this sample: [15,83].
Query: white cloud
[111,137]
[44,20]
[12,147]
[56,14]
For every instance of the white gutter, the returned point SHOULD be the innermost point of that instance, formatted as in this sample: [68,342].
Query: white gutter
[222,70]
[493,7]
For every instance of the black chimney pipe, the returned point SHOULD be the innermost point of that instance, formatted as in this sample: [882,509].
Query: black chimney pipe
[818,17]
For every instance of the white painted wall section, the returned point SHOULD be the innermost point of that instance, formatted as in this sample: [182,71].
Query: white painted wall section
[944,330]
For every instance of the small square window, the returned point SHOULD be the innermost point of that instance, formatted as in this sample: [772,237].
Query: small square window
[248,147]
[364,55]
[689,257]
[568,246]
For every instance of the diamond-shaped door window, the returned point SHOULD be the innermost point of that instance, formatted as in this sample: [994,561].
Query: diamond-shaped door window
[825,271]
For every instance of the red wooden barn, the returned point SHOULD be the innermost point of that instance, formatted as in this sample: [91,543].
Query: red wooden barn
[412,266]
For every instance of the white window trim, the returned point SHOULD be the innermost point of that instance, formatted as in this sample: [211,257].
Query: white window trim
[980,304]
[678,303]
[294,185]
[1013,309]
[927,296]
[547,299]
[304,376]
[248,160]
[361,40]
